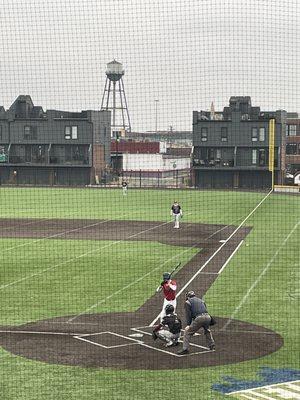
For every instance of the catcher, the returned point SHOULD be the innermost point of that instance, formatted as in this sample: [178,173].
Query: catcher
[169,329]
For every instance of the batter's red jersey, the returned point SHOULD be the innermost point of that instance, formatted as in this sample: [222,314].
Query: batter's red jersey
[169,289]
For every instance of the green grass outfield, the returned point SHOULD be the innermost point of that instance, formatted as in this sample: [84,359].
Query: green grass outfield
[259,285]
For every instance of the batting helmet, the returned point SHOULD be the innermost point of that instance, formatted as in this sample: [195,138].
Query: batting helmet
[189,294]
[166,276]
[169,309]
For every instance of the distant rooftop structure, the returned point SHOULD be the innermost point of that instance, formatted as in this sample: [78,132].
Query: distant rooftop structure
[23,108]
[292,115]
[173,137]
[237,104]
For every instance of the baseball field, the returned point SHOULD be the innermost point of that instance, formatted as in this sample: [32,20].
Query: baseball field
[79,269]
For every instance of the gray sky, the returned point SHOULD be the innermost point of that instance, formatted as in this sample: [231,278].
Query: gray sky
[184,53]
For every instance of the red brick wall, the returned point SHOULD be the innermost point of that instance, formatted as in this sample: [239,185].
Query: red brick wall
[134,147]
[98,161]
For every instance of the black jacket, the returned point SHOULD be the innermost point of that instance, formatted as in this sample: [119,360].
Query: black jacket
[172,322]
[194,306]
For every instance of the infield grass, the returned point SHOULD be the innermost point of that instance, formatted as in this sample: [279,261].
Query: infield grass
[259,285]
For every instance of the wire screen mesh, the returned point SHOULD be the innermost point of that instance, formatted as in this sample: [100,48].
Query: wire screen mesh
[149,191]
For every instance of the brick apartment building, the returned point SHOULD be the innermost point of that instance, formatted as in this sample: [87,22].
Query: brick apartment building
[52,147]
[293,143]
[231,148]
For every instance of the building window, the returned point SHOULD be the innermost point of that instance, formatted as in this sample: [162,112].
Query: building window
[292,130]
[0,132]
[218,154]
[117,135]
[74,132]
[254,134]
[30,132]
[262,134]
[254,156]
[67,132]
[262,157]
[2,154]
[291,149]
[204,134]
[71,132]
[224,134]
[211,153]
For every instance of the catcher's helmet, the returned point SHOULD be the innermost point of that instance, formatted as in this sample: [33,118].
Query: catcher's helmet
[166,276]
[189,294]
[169,309]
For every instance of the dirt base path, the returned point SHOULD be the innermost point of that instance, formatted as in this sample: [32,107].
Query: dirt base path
[123,340]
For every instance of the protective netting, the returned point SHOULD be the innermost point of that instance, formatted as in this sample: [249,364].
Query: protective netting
[149,157]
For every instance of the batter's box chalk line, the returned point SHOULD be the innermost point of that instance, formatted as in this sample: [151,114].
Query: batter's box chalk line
[141,331]
[85,336]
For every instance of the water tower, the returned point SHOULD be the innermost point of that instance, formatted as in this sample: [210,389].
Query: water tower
[114,99]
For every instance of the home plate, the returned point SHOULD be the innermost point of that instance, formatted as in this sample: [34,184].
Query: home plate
[136,335]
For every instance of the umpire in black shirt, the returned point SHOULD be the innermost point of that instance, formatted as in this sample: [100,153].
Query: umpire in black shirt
[197,317]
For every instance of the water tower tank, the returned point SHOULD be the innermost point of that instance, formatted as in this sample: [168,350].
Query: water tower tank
[114,71]
[114,98]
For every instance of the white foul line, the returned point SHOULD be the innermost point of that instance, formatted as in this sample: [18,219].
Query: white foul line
[70,320]
[139,342]
[204,349]
[196,274]
[259,277]
[230,257]
[141,329]
[38,333]
[80,256]
[216,252]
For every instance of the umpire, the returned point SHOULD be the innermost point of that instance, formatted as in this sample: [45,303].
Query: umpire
[197,317]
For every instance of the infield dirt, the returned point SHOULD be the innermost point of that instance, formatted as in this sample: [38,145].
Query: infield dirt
[123,340]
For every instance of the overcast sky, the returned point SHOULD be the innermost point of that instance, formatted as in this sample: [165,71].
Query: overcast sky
[185,53]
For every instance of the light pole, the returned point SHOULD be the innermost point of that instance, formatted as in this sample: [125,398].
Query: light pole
[156,103]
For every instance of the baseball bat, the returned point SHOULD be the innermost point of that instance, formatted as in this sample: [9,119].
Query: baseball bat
[174,269]
[171,273]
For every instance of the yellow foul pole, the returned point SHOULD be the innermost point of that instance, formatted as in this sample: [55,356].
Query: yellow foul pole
[271,148]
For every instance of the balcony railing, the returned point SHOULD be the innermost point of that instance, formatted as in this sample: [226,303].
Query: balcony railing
[213,163]
[14,159]
[228,164]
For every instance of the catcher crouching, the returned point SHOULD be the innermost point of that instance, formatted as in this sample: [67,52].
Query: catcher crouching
[169,328]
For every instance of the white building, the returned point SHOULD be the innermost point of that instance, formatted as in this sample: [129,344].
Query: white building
[154,162]
[156,170]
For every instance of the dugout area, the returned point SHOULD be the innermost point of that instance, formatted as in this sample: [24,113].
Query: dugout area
[123,340]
